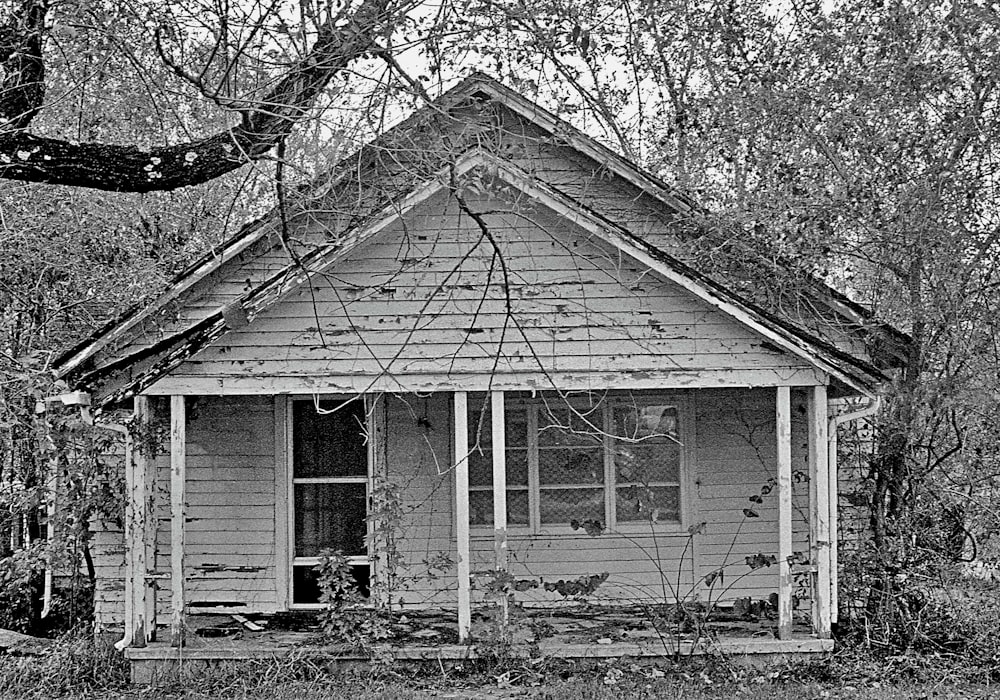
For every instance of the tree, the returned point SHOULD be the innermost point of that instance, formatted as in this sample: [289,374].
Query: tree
[266,116]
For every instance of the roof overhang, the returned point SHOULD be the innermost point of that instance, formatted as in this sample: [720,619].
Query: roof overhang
[149,364]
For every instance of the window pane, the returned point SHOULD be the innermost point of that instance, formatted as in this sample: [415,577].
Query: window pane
[330,516]
[481,468]
[562,426]
[645,504]
[654,422]
[329,444]
[481,508]
[570,466]
[305,583]
[560,506]
[515,426]
[647,463]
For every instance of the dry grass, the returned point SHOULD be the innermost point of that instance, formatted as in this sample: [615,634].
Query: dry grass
[76,668]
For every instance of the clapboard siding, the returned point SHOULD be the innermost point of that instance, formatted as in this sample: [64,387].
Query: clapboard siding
[735,434]
[230,528]
[404,306]
[319,216]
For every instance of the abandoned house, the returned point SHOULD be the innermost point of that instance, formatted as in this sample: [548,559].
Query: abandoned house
[493,364]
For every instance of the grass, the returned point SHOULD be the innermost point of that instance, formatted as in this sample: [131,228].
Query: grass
[77,669]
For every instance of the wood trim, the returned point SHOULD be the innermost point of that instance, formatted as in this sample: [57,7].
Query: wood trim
[624,241]
[783,435]
[534,486]
[129,534]
[146,468]
[178,469]
[461,420]
[282,562]
[221,385]
[819,512]
[690,512]
[834,495]
[498,438]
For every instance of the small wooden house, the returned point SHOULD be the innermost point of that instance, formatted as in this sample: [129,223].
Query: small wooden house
[483,347]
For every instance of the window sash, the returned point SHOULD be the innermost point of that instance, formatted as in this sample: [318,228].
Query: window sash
[611,484]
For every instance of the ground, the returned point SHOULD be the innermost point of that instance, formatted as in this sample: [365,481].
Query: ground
[76,670]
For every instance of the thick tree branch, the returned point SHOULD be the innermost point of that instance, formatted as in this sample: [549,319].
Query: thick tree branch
[23,87]
[123,168]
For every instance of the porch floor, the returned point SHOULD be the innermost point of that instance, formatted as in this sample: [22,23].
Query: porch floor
[561,633]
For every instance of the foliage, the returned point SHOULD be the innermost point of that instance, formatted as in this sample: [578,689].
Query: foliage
[344,618]
[77,665]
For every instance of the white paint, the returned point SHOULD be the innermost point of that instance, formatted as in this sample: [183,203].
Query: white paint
[461,450]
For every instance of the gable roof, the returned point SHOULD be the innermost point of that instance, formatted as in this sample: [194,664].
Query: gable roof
[449,144]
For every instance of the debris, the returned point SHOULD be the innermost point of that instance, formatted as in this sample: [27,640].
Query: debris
[252,626]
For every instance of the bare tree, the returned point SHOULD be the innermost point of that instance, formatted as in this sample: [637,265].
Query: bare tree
[264,119]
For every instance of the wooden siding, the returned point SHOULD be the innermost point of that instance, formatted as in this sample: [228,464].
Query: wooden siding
[426,301]
[733,457]
[231,489]
[326,218]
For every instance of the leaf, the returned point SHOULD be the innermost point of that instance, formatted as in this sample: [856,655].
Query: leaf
[698,529]
[747,512]
[712,576]
[760,560]
[756,499]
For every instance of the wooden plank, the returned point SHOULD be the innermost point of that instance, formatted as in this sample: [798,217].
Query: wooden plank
[462,515]
[834,496]
[499,439]
[132,573]
[783,436]
[178,468]
[146,473]
[423,381]
[820,509]
[281,495]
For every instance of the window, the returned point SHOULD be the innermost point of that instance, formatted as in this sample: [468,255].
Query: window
[615,459]
[329,491]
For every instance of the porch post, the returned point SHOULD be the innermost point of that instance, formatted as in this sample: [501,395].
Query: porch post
[462,514]
[834,495]
[499,437]
[783,434]
[140,619]
[178,465]
[819,510]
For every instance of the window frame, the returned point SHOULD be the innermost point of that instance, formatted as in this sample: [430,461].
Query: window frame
[677,398]
[291,481]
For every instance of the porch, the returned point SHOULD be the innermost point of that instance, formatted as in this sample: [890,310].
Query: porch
[687,552]
[578,634]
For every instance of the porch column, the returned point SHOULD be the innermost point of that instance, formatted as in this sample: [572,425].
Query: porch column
[499,437]
[461,418]
[178,467]
[783,434]
[140,616]
[819,510]
[833,494]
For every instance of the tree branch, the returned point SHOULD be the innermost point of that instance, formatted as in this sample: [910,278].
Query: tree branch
[23,88]
[123,168]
